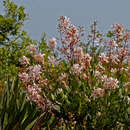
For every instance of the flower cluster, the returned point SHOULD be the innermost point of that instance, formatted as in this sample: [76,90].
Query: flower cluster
[118,28]
[24,60]
[52,42]
[32,49]
[103,58]
[32,79]
[98,93]
[75,77]
[69,31]
[110,83]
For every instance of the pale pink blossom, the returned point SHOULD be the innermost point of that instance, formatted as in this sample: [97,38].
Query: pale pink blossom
[59,90]
[63,76]
[98,92]
[114,58]
[52,60]
[87,60]
[32,49]
[64,79]
[24,77]
[118,28]
[126,36]
[103,58]
[37,69]
[34,94]
[24,60]
[52,42]
[69,32]
[111,83]
[65,22]
[88,57]
[123,52]
[35,72]
[112,43]
[84,76]
[33,89]
[76,68]
[97,74]
[78,53]
[104,78]
[39,58]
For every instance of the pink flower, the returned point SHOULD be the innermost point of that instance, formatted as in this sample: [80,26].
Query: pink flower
[32,49]
[34,94]
[52,60]
[33,89]
[39,58]
[118,28]
[127,84]
[52,42]
[123,52]
[103,58]
[126,36]
[112,43]
[24,60]
[97,74]
[65,22]
[87,60]
[76,68]
[104,78]
[78,53]
[24,77]
[63,76]
[35,71]
[69,32]
[110,83]
[98,92]
[88,57]
[114,58]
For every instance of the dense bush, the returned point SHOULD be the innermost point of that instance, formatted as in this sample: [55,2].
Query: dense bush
[63,83]
[80,85]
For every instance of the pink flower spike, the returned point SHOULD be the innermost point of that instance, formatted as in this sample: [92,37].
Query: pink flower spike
[24,60]
[52,42]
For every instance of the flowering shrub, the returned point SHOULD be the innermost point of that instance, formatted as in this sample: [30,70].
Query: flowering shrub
[78,85]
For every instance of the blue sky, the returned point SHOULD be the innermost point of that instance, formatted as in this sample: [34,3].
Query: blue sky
[43,14]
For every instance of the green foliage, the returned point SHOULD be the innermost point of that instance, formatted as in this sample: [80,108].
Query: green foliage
[15,111]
